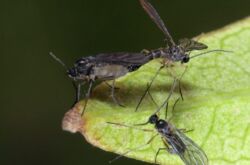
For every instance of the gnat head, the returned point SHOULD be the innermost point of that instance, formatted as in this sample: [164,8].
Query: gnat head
[153,119]
[77,72]
[72,72]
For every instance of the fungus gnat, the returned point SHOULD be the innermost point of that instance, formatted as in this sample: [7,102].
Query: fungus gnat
[104,67]
[175,142]
[174,52]
[110,66]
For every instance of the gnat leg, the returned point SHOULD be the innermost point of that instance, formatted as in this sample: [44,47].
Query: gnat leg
[148,88]
[180,91]
[173,74]
[184,130]
[113,95]
[166,111]
[157,153]
[173,108]
[153,100]
[110,86]
[87,96]
[169,96]
[179,85]
[77,86]
[132,150]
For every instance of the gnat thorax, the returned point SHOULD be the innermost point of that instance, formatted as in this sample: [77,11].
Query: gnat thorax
[176,53]
[161,124]
[163,127]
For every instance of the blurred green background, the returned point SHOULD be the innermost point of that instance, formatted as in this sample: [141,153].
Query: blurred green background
[35,92]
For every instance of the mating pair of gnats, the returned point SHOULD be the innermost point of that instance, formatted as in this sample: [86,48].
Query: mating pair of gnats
[110,66]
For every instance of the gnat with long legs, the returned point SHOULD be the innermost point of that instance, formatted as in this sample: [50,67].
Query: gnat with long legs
[175,141]
[104,67]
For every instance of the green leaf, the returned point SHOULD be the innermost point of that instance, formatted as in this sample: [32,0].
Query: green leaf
[216,90]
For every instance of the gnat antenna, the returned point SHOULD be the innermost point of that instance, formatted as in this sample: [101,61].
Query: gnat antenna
[58,60]
[211,51]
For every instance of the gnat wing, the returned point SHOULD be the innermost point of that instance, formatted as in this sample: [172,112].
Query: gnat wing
[193,154]
[157,19]
[190,45]
[123,58]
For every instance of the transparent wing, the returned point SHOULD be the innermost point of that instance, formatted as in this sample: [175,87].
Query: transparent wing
[190,45]
[192,153]
[157,20]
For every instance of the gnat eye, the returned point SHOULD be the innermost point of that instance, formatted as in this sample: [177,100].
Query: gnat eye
[72,72]
[174,50]
[185,59]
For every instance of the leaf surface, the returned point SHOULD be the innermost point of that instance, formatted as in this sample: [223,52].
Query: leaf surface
[216,90]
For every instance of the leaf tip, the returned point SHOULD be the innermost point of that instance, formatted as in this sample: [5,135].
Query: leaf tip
[72,121]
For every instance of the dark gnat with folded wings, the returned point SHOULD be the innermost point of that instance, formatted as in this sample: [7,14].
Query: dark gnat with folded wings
[108,66]
[178,143]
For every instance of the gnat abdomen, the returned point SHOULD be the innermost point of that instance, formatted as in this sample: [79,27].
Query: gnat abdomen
[110,71]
